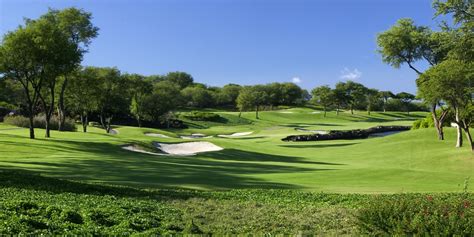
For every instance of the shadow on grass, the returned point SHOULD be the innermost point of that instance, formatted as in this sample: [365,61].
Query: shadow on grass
[107,163]
[302,125]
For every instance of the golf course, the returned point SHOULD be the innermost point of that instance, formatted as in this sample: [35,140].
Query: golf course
[409,161]
[236,118]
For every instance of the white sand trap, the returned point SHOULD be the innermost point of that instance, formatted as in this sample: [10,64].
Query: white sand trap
[156,135]
[237,134]
[316,112]
[187,148]
[139,150]
[195,136]
[113,132]
[287,112]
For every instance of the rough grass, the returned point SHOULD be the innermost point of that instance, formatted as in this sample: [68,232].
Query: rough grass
[33,204]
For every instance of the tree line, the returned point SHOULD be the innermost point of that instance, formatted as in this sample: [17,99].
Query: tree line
[353,95]
[447,86]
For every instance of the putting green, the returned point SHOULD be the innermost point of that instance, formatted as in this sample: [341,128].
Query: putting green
[413,161]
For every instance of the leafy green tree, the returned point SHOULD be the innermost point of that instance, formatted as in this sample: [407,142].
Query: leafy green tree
[453,80]
[252,97]
[113,97]
[82,93]
[227,96]
[22,58]
[355,93]
[181,79]
[373,97]
[78,27]
[324,96]
[161,101]
[340,96]
[406,99]
[139,90]
[197,96]
[385,95]
[406,43]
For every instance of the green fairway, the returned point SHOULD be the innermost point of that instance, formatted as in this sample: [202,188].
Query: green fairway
[413,161]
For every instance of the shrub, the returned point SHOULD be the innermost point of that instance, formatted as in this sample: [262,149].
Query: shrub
[446,215]
[39,122]
[201,116]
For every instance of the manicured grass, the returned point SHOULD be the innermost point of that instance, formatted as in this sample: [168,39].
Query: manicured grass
[412,161]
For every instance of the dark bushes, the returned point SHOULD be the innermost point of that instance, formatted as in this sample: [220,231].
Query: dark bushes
[40,122]
[439,215]
[201,116]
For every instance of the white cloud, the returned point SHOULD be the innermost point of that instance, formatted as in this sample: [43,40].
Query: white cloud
[350,74]
[296,80]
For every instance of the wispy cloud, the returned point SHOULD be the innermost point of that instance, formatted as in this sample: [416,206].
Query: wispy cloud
[350,74]
[296,80]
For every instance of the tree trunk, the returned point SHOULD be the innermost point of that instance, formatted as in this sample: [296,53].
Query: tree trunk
[240,113]
[61,109]
[85,122]
[139,121]
[256,112]
[337,110]
[458,128]
[469,137]
[32,129]
[102,122]
[438,123]
[352,109]
[47,118]
[108,125]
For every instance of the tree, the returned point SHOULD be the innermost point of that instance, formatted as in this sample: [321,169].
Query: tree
[112,97]
[355,93]
[140,89]
[406,99]
[453,80]
[82,93]
[407,43]
[161,101]
[373,97]
[227,96]
[181,79]
[197,96]
[385,95]
[252,97]
[340,96]
[403,43]
[324,96]
[20,60]
[77,25]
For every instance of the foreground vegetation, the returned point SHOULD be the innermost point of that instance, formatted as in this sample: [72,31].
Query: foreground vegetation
[33,204]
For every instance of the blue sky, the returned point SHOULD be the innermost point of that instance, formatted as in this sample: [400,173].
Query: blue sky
[242,41]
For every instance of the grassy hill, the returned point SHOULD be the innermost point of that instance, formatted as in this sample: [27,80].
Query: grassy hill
[412,161]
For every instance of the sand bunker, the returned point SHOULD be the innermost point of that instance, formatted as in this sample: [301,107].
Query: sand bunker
[316,112]
[156,135]
[139,150]
[113,132]
[195,136]
[237,134]
[286,112]
[187,148]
